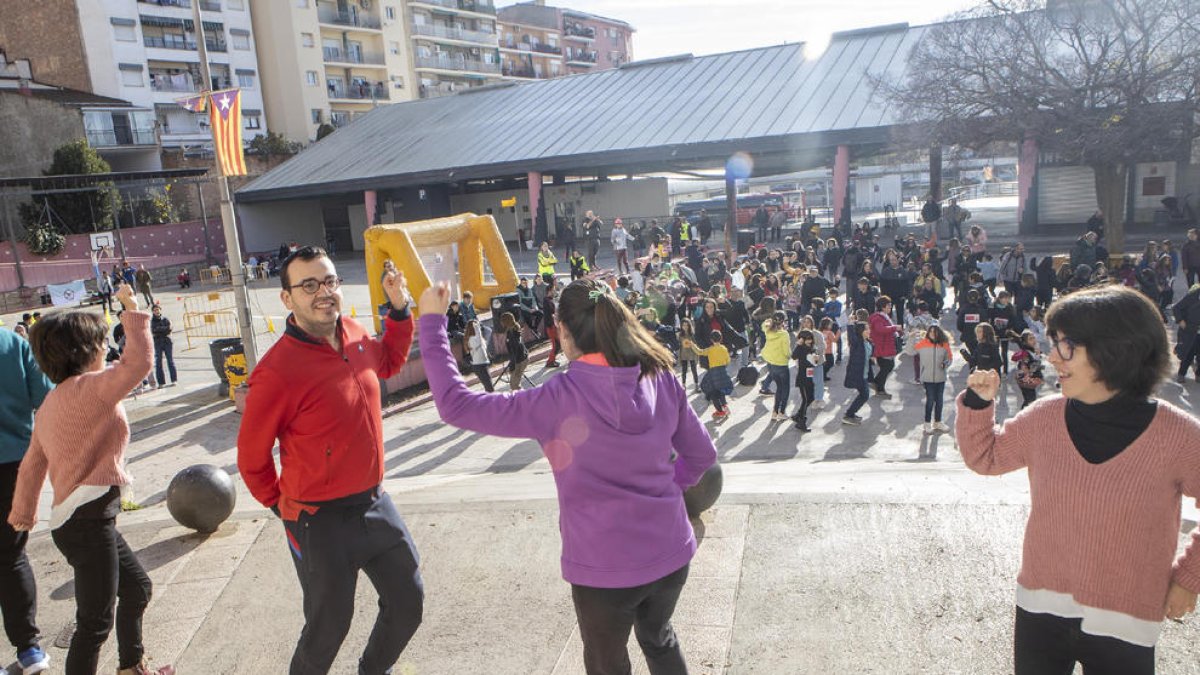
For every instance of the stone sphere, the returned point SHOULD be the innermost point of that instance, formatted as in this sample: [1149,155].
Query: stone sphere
[201,497]
[701,496]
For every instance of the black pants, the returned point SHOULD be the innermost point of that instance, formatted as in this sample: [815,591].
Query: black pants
[485,377]
[329,547]
[1027,396]
[858,401]
[807,393]
[606,616]
[683,371]
[108,576]
[593,248]
[1186,361]
[164,349]
[886,365]
[1045,644]
[1004,356]
[18,593]
[1193,275]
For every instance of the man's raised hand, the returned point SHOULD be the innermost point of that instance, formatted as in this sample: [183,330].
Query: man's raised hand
[396,289]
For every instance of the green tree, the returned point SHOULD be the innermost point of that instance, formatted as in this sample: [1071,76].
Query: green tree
[75,212]
[273,144]
[1099,83]
[324,130]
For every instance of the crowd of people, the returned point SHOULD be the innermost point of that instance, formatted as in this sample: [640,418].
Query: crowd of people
[624,442]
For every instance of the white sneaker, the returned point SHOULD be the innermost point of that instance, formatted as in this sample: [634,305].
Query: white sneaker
[928,428]
[940,427]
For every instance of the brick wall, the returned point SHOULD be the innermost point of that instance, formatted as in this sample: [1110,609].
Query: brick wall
[46,32]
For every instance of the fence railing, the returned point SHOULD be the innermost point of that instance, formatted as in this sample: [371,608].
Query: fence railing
[355,18]
[982,190]
[449,63]
[376,92]
[116,138]
[339,55]
[480,37]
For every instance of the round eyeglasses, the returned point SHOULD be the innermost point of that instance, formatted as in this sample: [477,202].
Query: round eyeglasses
[311,286]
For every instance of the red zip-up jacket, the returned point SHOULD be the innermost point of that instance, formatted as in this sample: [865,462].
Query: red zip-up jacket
[324,408]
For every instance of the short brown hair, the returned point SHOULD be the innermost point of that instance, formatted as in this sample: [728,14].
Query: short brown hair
[1123,333]
[305,253]
[66,343]
[599,322]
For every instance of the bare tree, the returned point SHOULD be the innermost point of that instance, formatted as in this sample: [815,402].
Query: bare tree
[1101,83]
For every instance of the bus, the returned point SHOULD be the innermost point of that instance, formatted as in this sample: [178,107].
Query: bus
[747,204]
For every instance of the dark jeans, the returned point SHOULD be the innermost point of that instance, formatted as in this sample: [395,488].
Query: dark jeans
[886,364]
[164,349]
[859,400]
[18,593]
[107,576]
[1193,275]
[935,392]
[1190,357]
[485,377]
[622,260]
[781,376]
[329,547]
[593,248]
[1045,644]
[606,616]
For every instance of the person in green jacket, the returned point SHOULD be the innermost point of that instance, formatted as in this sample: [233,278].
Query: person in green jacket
[546,262]
[776,352]
[25,387]
[579,266]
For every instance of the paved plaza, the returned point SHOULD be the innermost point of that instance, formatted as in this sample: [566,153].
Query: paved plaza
[866,549]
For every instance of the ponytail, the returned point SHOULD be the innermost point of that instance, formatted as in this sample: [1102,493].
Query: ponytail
[599,322]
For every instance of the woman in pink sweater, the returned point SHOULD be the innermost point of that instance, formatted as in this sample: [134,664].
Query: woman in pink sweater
[79,439]
[1108,467]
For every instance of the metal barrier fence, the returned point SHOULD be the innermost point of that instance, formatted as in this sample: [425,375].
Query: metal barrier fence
[215,276]
[208,316]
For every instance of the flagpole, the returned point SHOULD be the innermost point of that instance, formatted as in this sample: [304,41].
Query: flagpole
[233,247]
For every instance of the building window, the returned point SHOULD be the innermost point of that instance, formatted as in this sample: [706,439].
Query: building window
[316,115]
[235,4]
[390,12]
[239,40]
[131,75]
[311,77]
[246,79]
[398,81]
[124,30]
[253,121]
[394,47]
[306,40]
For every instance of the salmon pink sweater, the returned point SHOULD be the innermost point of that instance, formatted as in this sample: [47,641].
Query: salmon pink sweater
[80,433]
[1105,534]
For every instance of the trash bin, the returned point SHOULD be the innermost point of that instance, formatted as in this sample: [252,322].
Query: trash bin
[745,240]
[216,349]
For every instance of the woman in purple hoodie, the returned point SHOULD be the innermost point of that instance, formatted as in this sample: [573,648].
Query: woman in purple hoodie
[623,442]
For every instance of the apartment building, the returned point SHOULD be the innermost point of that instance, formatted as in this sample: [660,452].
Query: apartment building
[581,42]
[454,45]
[328,61]
[144,52]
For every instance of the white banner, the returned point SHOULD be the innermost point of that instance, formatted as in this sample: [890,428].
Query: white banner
[67,295]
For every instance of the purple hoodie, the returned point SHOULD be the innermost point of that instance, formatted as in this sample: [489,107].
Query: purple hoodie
[608,435]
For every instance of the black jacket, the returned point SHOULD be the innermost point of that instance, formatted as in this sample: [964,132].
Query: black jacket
[982,357]
[160,328]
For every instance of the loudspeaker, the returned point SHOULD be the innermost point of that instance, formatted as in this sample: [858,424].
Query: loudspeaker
[505,302]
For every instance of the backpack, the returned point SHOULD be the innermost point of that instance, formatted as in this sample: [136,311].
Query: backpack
[747,376]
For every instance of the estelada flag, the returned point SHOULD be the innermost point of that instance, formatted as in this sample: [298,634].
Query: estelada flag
[225,116]
[193,103]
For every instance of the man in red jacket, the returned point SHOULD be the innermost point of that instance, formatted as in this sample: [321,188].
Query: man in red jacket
[317,392]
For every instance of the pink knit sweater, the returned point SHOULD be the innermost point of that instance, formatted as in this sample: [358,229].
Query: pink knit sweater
[80,433]
[1104,533]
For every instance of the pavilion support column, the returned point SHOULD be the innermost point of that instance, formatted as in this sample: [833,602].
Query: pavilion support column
[841,184]
[1027,161]
[536,210]
[369,201]
[935,172]
[731,214]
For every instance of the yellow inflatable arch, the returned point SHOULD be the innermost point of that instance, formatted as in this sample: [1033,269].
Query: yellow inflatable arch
[476,236]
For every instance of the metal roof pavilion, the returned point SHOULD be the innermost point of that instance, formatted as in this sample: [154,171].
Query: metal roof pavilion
[670,114]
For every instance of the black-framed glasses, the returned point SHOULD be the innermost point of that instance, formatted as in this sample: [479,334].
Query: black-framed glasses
[311,286]
[1065,347]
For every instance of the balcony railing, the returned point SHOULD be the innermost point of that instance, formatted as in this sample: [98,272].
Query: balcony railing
[178,42]
[439,89]
[451,63]
[524,72]
[481,37]
[527,47]
[352,18]
[167,83]
[587,58]
[210,5]
[118,137]
[206,5]
[339,55]
[361,92]
[576,30]
[481,6]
